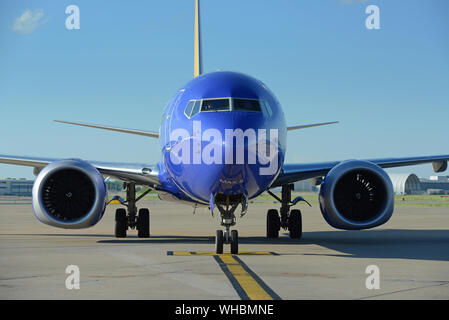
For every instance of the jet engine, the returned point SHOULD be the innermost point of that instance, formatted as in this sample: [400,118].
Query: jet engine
[356,195]
[69,194]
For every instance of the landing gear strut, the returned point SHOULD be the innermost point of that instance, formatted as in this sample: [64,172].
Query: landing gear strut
[132,219]
[288,219]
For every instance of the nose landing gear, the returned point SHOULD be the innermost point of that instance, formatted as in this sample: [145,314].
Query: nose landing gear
[227,238]
[227,209]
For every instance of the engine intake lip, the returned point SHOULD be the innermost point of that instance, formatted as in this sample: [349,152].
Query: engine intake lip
[96,203]
[343,221]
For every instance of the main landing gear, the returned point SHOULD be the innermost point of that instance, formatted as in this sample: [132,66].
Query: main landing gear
[288,219]
[132,219]
[227,205]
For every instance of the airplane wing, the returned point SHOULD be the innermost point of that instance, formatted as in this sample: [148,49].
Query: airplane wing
[310,125]
[132,172]
[296,172]
[151,134]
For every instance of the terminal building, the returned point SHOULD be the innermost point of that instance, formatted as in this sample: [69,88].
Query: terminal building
[24,188]
[435,185]
[305,186]
[13,187]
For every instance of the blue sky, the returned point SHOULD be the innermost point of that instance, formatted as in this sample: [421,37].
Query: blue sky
[389,88]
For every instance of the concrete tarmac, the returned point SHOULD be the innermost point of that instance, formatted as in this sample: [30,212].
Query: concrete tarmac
[411,252]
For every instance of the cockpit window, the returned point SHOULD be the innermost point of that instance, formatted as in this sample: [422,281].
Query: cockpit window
[246,105]
[192,108]
[196,108]
[215,105]
[267,108]
[226,104]
[189,108]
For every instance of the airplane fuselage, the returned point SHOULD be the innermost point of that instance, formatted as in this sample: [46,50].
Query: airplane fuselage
[222,133]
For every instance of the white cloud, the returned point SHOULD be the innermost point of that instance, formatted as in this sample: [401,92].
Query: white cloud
[28,21]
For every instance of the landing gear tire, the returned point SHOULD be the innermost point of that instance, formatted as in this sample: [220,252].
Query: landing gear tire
[143,223]
[273,224]
[121,223]
[295,224]
[219,241]
[234,242]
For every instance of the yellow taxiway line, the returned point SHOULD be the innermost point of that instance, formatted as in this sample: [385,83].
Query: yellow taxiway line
[212,253]
[248,285]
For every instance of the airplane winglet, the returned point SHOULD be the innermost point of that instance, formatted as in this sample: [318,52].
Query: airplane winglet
[150,134]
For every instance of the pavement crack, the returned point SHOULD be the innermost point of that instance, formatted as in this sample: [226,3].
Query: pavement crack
[405,290]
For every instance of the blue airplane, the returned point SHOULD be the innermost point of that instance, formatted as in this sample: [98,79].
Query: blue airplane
[223,142]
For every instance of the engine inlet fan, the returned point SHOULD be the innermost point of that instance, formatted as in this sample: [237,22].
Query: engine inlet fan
[359,195]
[68,195]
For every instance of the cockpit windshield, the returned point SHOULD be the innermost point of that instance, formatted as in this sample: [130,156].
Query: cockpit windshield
[246,105]
[215,105]
[227,104]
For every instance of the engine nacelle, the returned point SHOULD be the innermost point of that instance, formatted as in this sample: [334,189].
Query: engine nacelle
[69,194]
[356,195]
